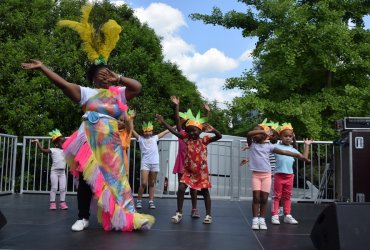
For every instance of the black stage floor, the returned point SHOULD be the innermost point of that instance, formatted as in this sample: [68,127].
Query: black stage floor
[31,225]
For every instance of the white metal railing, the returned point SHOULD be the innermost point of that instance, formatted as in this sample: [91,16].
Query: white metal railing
[8,157]
[229,180]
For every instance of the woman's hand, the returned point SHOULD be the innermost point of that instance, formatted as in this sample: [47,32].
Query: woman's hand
[34,64]
[36,140]
[108,76]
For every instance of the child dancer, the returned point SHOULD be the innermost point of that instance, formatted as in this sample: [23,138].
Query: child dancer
[259,151]
[178,168]
[58,169]
[196,168]
[283,175]
[125,127]
[149,162]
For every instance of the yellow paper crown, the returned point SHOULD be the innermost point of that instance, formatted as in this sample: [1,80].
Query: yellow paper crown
[55,134]
[285,126]
[97,44]
[147,127]
[264,125]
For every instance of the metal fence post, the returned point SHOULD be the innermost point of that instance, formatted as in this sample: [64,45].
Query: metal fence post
[235,170]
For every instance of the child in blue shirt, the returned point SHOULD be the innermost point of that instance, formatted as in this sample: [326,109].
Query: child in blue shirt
[283,175]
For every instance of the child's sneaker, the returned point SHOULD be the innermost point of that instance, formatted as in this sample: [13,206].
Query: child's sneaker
[63,205]
[275,220]
[53,206]
[255,224]
[262,223]
[80,225]
[151,205]
[281,211]
[207,219]
[290,220]
[195,213]
[176,218]
[139,204]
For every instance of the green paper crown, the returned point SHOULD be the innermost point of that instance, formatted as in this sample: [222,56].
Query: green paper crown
[196,121]
[147,126]
[55,134]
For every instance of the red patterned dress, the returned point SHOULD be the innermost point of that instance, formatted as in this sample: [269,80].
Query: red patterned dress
[196,174]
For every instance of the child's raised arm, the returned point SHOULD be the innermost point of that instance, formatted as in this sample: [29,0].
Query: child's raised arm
[136,135]
[163,133]
[170,129]
[209,129]
[44,150]
[206,107]
[130,120]
[307,144]
[176,101]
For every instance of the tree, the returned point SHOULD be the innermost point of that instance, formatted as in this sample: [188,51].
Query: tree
[31,105]
[311,63]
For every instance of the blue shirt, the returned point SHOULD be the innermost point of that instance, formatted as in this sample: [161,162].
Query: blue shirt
[284,163]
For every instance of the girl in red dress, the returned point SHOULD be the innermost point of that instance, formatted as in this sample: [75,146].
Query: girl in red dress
[196,167]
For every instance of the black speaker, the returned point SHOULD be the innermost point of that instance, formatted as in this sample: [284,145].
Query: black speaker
[343,226]
[2,220]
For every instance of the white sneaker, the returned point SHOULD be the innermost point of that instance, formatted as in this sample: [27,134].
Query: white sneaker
[290,220]
[263,225]
[80,225]
[255,224]
[275,220]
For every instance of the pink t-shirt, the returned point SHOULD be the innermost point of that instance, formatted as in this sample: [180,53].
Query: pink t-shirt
[178,168]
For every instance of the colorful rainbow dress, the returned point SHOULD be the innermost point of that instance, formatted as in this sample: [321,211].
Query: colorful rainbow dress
[95,149]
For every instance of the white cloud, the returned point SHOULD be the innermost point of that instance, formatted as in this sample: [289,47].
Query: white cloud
[212,89]
[212,61]
[118,2]
[164,19]
[246,56]
[198,67]
[175,48]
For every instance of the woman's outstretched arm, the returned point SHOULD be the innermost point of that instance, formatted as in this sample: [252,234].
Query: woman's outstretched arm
[71,90]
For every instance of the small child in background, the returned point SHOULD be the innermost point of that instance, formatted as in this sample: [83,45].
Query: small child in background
[196,174]
[284,176]
[259,164]
[149,162]
[58,169]
[178,168]
[273,139]
[125,128]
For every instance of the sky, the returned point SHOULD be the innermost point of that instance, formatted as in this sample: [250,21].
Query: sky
[206,54]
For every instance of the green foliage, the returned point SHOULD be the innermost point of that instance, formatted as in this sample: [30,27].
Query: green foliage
[31,105]
[310,67]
